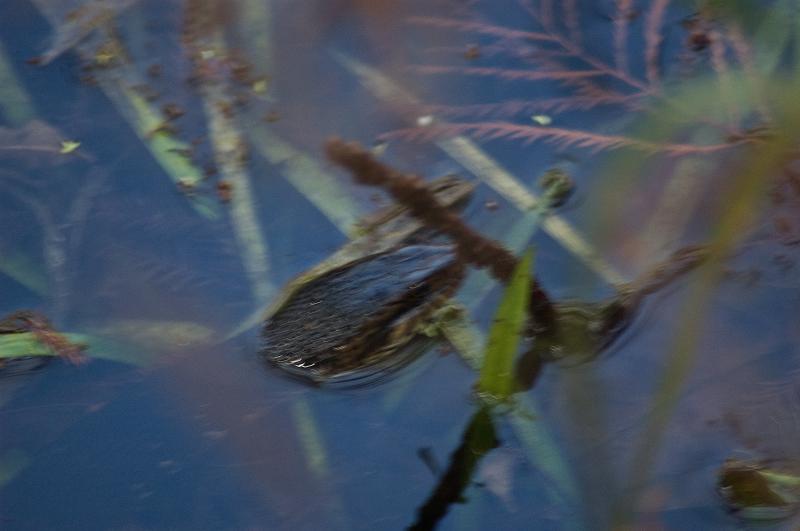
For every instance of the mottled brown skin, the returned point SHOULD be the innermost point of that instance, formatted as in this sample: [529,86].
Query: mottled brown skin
[350,316]
[354,319]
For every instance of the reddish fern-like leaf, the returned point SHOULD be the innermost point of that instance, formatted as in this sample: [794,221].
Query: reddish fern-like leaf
[559,137]
[576,52]
[487,51]
[507,73]
[553,50]
[480,28]
[511,108]
[544,14]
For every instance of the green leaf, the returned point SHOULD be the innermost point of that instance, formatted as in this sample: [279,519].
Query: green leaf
[497,374]
[26,344]
[68,146]
[166,150]
[15,103]
[99,346]
[542,119]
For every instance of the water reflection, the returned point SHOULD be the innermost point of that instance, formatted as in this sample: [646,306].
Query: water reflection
[163,178]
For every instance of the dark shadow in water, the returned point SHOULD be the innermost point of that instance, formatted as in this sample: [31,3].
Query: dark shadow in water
[479,439]
[581,332]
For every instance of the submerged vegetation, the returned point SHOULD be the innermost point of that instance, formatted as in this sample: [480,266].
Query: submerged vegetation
[632,70]
[151,213]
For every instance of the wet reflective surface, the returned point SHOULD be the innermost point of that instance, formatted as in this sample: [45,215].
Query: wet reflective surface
[197,190]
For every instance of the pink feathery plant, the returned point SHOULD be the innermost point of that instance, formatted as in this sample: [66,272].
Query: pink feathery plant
[628,68]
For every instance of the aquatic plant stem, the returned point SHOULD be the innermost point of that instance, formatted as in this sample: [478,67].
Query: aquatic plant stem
[411,192]
[479,438]
[737,217]
[475,160]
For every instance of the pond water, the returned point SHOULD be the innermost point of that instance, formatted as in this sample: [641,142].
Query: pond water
[164,176]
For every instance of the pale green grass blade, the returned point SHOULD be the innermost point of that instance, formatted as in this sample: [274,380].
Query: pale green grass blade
[497,372]
[25,271]
[255,22]
[143,117]
[743,197]
[515,238]
[311,439]
[681,197]
[476,287]
[773,36]
[15,104]
[135,342]
[472,157]
[317,460]
[537,442]
[323,189]
[544,453]
[477,161]
[25,344]
[227,143]
[159,335]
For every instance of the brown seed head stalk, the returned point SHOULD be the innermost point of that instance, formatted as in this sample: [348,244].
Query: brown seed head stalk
[412,192]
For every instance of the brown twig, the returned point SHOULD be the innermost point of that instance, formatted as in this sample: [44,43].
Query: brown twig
[411,192]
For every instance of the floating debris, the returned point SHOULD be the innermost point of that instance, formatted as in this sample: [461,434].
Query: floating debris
[558,186]
[379,148]
[147,92]
[68,146]
[272,117]
[172,111]
[542,119]
[260,86]
[79,24]
[164,128]
[186,153]
[473,52]
[154,70]
[38,144]
[186,185]
[756,491]
[225,191]
[108,54]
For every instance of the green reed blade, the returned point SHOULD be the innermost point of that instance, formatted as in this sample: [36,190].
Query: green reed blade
[15,104]
[497,373]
